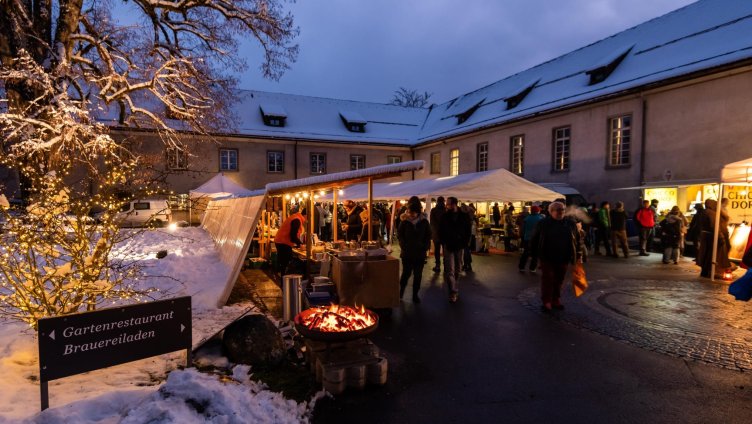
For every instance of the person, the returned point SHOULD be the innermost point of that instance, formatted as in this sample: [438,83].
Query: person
[528,227]
[645,217]
[288,236]
[436,214]
[326,232]
[415,240]
[671,230]
[467,255]
[593,226]
[556,242]
[603,235]
[707,229]
[619,230]
[693,231]
[353,225]
[374,227]
[509,228]
[496,213]
[319,220]
[454,234]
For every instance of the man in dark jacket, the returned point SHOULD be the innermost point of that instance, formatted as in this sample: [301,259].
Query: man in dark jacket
[436,214]
[557,243]
[454,233]
[619,230]
[353,223]
[414,239]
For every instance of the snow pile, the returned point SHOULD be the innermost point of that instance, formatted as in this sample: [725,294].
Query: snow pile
[188,397]
[136,392]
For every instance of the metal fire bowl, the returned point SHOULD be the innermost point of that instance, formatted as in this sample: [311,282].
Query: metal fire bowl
[332,336]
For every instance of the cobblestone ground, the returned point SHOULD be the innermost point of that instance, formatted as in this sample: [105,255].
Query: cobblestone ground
[695,320]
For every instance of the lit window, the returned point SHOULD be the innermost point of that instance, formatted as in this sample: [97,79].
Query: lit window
[482,159]
[561,148]
[436,163]
[393,159]
[454,162]
[275,162]
[228,159]
[318,163]
[517,154]
[357,162]
[619,140]
[176,159]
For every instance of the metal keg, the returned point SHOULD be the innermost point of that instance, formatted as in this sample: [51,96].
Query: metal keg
[292,296]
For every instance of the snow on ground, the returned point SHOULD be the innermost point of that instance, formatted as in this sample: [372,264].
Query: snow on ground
[137,392]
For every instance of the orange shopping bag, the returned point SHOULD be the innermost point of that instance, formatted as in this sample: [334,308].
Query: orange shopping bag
[579,282]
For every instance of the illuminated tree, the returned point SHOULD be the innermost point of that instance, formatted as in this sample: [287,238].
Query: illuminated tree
[64,65]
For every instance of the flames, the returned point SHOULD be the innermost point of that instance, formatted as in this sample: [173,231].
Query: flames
[337,318]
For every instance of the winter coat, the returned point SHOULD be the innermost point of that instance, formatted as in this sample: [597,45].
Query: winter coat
[414,237]
[354,224]
[436,214]
[645,217]
[604,220]
[528,226]
[671,231]
[557,241]
[618,220]
[454,230]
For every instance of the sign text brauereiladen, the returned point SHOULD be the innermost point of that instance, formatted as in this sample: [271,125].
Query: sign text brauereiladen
[119,340]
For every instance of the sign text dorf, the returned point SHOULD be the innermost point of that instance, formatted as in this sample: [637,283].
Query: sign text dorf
[72,344]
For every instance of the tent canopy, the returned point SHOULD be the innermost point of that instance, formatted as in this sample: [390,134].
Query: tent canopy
[497,184]
[737,172]
[219,186]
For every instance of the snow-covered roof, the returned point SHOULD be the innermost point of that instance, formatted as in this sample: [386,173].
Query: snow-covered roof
[316,118]
[702,36]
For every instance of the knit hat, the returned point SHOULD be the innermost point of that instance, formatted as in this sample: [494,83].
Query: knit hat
[535,209]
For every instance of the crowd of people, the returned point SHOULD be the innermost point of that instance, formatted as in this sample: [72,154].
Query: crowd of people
[550,236]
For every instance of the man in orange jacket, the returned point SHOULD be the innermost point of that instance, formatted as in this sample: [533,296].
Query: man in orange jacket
[288,236]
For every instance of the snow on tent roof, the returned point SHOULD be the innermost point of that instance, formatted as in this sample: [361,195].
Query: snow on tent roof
[352,117]
[339,177]
[271,109]
[219,186]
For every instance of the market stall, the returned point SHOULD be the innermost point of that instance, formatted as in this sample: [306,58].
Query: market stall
[735,184]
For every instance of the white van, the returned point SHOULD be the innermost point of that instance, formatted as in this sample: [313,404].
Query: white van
[144,212]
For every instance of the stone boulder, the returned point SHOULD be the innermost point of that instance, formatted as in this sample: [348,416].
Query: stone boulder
[254,340]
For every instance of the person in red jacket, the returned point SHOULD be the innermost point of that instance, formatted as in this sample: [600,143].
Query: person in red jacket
[646,218]
[288,236]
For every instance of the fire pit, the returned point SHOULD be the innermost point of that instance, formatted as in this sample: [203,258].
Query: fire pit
[336,323]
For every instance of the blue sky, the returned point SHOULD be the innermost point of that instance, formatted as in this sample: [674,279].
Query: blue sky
[366,49]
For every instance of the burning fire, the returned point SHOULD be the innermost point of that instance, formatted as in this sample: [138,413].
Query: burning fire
[336,318]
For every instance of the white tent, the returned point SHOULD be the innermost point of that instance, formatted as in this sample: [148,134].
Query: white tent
[497,184]
[219,186]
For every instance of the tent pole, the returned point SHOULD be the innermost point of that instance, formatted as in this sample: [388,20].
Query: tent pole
[309,236]
[370,207]
[335,214]
[716,232]
[392,224]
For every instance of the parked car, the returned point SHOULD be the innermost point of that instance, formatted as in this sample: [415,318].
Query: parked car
[144,212]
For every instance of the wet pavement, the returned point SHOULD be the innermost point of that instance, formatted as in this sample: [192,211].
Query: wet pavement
[646,343]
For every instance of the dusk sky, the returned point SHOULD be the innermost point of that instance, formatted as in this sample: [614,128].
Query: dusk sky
[365,50]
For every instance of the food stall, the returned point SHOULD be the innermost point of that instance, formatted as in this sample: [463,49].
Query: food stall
[362,276]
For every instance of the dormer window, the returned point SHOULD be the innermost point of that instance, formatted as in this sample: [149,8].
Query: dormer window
[273,115]
[516,98]
[607,65]
[353,121]
[464,116]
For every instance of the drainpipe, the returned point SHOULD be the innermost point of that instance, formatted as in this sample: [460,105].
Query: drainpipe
[643,139]
[295,159]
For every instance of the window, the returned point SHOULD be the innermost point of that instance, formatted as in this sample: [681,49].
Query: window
[561,149]
[517,154]
[274,115]
[318,163]
[393,159]
[228,159]
[619,140]
[141,206]
[454,162]
[176,159]
[481,162]
[275,162]
[357,162]
[436,163]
